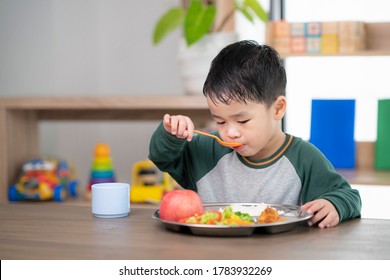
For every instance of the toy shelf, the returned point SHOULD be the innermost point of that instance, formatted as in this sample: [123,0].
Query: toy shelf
[19,119]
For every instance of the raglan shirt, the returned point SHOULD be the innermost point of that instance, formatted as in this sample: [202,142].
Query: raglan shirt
[295,174]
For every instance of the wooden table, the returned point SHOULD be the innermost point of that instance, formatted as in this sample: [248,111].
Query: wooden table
[50,231]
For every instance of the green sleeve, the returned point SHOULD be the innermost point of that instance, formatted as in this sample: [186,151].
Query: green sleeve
[321,180]
[167,151]
[187,162]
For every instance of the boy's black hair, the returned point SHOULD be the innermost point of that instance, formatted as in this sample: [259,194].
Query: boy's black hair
[246,71]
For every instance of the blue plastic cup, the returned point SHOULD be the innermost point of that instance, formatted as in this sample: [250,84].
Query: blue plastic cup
[110,200]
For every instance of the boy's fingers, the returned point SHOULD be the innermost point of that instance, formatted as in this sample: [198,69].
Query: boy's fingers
[167,118]
[190,129]
[178,125]
[166,121]
[331,220]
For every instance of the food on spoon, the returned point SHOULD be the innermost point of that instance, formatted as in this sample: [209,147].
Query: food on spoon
[180,204]
[269,215]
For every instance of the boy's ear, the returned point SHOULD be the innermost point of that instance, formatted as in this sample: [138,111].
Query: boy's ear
[280,107]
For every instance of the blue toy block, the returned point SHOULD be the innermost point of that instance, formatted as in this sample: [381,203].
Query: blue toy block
[332,130]
[313,29]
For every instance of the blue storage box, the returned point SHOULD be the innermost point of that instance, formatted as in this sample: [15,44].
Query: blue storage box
[332,130]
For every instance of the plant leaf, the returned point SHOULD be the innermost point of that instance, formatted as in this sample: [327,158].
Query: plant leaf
[198,21]
[246,13]
[257,9]
[168,22]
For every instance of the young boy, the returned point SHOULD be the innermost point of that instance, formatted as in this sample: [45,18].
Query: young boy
[245,92]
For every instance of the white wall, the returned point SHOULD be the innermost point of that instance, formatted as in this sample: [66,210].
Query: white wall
[89,47]
[71,47]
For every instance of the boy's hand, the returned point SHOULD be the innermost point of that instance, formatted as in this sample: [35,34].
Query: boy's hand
[324,213]
[180,126]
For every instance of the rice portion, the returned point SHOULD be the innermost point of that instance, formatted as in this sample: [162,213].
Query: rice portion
[251,209]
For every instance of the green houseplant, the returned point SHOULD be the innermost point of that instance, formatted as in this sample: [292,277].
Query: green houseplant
[202,39]
[198,19]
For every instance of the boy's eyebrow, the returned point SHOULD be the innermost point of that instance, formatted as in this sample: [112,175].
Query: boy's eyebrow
[239,114]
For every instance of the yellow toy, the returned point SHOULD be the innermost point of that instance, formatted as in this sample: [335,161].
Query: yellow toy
[148,183]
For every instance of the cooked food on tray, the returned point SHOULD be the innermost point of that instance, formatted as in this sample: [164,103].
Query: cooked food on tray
[227,216]
[224,217]
[270,215]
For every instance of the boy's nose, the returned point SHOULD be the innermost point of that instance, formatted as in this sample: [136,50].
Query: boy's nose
[232,132]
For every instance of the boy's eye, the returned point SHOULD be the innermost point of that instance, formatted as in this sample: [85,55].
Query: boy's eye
[242,122]
[220,123]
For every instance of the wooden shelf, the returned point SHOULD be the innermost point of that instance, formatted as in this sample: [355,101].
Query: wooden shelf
[106,102]
[19,118]
[357,53]
[120,107]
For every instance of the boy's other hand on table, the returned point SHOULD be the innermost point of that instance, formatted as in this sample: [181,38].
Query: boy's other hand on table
[325,214]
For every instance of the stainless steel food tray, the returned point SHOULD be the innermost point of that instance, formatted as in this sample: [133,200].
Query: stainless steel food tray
[293,214]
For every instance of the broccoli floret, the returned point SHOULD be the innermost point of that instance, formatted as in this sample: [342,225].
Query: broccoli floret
[244,216]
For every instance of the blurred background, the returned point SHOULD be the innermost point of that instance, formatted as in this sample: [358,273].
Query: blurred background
[104,48]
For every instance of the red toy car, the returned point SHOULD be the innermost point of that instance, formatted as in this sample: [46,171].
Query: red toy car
[44,179]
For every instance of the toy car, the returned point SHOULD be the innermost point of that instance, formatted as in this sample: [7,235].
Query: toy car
[44,179]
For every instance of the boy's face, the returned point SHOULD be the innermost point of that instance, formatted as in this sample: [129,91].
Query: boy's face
[254,125]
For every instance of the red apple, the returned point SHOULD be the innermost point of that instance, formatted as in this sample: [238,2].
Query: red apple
[179,204]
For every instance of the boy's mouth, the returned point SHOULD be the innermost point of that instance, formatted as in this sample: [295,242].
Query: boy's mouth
[239,148]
